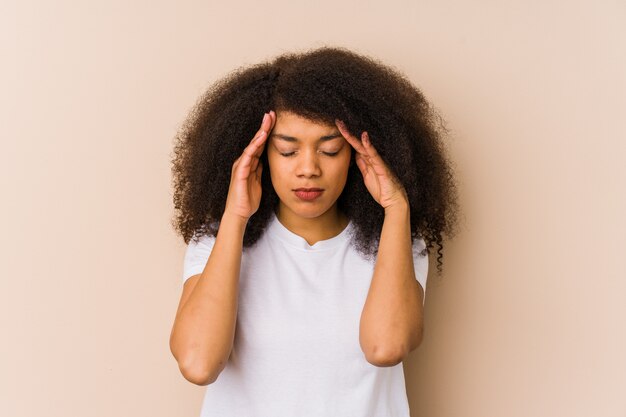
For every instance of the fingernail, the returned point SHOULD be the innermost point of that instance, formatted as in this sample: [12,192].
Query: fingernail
[366,138]
[264,117]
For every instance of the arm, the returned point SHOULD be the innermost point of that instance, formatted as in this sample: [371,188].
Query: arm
[391,323]
[204,327]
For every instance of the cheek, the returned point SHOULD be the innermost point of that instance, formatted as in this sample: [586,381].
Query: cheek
[275,162]
[347,161]
[340,170]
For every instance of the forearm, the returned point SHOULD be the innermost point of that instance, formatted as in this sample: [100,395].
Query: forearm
[390,325]
[204,329]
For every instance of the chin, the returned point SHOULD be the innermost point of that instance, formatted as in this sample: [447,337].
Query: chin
[308,213]
[306,209]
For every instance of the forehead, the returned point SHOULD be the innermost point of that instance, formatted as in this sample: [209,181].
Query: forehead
[294,128]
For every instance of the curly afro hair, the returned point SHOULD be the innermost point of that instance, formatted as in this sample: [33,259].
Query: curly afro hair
[321,85]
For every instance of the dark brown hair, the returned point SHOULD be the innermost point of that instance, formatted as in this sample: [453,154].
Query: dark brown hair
[322,85]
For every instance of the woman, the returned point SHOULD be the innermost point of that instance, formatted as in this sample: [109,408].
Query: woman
[306,264]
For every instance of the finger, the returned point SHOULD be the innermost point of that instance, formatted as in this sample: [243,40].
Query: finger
[265,125]
[360,162]
[253,150]
[352,140]
[234,167]
[255,162]
[237,166]
[272,113]
[257,145]
[259,170]
[272,116]
[379,166]
[243,165]
[268,122]
[355,143]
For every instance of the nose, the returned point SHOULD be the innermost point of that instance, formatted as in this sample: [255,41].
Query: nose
[308,164]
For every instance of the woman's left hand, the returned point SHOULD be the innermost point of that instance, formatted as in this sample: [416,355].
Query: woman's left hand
[382,184]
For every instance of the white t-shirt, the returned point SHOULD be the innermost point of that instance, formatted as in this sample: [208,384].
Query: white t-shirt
[296,350]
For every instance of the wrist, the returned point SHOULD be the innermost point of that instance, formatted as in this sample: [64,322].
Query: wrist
[401,207]
[228,217]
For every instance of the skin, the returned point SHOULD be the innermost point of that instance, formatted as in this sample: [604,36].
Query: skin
[391,323]
[391,320]
[403,125]
[298,157]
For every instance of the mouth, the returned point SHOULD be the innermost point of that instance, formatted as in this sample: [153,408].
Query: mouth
[308,194]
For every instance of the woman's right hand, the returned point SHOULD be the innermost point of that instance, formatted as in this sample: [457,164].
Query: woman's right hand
[244,192]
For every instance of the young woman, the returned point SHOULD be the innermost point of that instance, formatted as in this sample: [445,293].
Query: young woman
[305,270]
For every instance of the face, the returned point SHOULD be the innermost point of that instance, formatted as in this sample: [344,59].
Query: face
[305,154]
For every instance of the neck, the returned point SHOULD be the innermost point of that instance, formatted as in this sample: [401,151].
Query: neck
[313,229]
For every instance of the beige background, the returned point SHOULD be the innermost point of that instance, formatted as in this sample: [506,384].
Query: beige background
[528,319]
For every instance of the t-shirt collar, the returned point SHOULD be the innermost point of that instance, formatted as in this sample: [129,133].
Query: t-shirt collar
[277,229]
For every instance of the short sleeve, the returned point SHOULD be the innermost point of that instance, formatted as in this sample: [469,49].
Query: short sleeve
[420,262]
[197,255]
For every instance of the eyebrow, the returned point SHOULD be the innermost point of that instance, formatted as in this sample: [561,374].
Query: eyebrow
[294,139]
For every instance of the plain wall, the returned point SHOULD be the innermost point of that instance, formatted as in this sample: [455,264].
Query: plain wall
[528,319]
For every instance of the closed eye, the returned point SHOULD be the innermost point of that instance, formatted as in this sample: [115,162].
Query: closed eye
[325,153]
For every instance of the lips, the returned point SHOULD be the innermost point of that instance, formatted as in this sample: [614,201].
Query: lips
[308,194]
